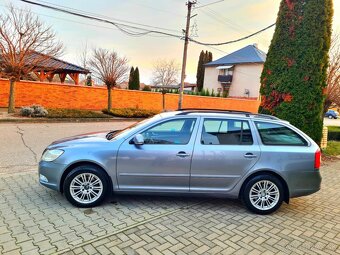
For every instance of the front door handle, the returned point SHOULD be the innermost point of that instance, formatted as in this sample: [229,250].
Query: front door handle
[182,154]
[249,155]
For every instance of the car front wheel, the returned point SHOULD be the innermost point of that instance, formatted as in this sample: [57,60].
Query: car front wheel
[263,194]
[330,117]
[86,186]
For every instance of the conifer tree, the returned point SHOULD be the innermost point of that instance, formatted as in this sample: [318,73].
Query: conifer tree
[136,82]
[205,57]
[132,71]
[294,75]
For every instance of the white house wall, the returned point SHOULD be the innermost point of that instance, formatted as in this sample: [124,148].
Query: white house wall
[210,78]
[245,76]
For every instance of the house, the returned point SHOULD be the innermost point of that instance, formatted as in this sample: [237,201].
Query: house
[237,74]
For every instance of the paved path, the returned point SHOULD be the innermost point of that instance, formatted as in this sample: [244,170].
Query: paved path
[35,220]
[21,145]
[332,122]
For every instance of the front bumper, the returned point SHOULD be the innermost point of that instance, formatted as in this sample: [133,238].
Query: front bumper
[50,174]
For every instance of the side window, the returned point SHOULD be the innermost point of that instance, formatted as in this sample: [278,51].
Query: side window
[170,132]
[226,132]
[276,134]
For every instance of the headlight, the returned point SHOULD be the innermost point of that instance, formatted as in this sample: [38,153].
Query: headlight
[50,155]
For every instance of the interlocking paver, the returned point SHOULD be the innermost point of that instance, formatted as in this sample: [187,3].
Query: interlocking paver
[37,220]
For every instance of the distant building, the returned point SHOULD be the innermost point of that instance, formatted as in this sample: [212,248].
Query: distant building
[237,74]
[125,85]
[187,87]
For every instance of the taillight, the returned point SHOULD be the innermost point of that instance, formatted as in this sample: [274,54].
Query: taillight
[317,159]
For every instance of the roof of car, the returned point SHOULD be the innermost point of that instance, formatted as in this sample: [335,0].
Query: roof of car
[217,113]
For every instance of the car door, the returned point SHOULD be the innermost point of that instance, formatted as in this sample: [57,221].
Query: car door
[225,149]
[163,162]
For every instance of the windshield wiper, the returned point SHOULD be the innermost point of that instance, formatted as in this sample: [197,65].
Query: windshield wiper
[110,135]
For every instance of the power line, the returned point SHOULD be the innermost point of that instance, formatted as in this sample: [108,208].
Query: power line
[225,21]
[125,28]
[106,17]
[233,41]
[200,6]
[116,24]
[78,22]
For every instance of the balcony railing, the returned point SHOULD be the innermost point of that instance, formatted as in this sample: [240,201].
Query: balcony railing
[225,78]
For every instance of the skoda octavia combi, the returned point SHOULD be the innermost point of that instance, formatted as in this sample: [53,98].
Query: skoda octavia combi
[259,159]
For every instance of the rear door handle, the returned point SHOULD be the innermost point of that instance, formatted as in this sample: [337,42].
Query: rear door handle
[182,154]
[249,155]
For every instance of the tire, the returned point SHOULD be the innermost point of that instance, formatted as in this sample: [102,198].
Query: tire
[86,186]
[263,194]
[330,117]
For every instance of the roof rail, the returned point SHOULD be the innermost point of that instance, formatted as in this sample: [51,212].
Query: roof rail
[266,116]
[186,111]
[192,110]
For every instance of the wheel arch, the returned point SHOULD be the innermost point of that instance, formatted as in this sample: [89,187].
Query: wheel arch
[282,180]
[80,163]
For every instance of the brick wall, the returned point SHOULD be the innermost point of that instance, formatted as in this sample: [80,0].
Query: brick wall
[52,95]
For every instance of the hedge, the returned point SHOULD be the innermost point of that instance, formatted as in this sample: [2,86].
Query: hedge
[333,133]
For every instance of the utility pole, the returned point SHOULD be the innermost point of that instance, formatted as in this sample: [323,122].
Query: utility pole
[184,63]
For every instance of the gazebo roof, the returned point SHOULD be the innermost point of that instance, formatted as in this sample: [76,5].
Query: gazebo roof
[55,65]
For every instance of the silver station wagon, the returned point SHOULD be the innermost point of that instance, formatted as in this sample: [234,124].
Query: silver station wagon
[257,158]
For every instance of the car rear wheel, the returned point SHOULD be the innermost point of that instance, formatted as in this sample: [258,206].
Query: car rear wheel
[86,186]
[263,194]
[330,117]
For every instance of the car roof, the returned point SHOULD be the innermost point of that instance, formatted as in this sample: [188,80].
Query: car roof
[218,113]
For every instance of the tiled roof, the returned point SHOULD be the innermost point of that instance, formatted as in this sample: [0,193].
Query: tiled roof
[248,54]
[57,65]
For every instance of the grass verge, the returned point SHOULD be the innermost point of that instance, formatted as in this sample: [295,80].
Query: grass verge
[334,133]
[131,113]
[74,113]
[333,148]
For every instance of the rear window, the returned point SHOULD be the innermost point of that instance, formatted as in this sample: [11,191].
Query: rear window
[276,134]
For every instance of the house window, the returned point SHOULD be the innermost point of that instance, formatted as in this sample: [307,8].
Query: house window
[228,71]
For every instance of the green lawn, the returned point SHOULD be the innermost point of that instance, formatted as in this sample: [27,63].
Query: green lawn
[334,128]
[333,148]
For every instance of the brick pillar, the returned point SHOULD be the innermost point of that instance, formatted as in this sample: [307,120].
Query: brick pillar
[324,139]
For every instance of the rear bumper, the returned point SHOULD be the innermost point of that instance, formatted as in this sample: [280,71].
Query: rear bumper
[50,174]
[304,183]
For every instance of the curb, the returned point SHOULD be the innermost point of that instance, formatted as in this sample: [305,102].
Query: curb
[68,120]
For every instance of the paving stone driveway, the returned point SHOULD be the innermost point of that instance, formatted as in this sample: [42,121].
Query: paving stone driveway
[36,220]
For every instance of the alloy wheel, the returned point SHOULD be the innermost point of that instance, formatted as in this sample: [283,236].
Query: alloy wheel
[86,188]
[264,195]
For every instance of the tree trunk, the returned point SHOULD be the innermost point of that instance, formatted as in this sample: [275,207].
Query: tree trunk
[327,104]
[163,94]
[109,101]
[11,99]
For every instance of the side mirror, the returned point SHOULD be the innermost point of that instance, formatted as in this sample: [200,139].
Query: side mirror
[138,139]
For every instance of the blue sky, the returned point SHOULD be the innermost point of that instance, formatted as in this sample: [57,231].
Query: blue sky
[222,21]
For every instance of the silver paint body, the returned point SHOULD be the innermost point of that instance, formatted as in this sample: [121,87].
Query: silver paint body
[206,169]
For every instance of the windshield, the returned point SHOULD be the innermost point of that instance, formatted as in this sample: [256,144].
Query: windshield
[117,134]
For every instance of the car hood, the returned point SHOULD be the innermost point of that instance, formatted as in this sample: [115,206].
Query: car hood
[94,137]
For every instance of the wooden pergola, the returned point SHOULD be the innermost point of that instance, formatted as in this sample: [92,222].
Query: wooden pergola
[48,67]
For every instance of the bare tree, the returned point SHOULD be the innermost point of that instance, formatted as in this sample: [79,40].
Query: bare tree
[110,69]
[22,35]
[333,78]
[84,56]
[165,73]
[83,60]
